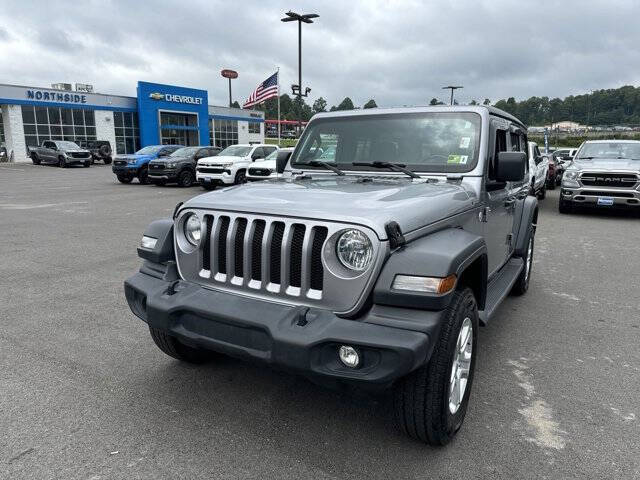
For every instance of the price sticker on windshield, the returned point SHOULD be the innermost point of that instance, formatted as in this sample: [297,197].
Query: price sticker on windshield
[464,142]
[458,159]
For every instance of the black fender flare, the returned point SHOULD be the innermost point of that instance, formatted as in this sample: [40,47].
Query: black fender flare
[440,254]
[525,220]
[162,252]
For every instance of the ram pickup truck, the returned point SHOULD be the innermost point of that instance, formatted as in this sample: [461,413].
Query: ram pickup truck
[373,270]
[603,173]
[229,167]
[128,167]
[60,152]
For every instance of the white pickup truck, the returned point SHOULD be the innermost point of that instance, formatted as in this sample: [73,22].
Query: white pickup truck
[538,171]
[229,167]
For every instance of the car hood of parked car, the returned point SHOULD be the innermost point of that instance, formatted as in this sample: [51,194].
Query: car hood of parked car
[270,164]
[172,159]
[75,150]
[608,164]
[133,156]
[372,201]
[220,159]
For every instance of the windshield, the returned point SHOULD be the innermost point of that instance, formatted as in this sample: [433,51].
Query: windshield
[428,142]
[235,151]
[610,151]
[185,152]
[66,145]
[149,150]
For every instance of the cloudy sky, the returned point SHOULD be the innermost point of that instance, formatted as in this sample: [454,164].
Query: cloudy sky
[397,52]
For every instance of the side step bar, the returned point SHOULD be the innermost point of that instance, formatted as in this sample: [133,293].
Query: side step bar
[499,287]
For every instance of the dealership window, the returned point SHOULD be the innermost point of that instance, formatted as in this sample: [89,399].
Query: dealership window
[53,123]
[127,132]
[1,129]
[211,133]
[225,133]
[254,127]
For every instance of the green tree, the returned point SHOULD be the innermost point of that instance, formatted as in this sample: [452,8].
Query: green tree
[235,104]
[345,104]
[486,102]
[320,105]
[370,104]
[435,101]
[473,102]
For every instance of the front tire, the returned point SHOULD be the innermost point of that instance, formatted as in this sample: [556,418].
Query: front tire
[522,283]
[564,207]
[125,178]
[62,163]
[542,194]
[88,164]
[208,187]
[430,403]
[35,159]
[172,347]
[185,179]
[240,177]
[143,176]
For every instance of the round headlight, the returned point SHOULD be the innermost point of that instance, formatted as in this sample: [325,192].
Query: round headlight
[192,229]
[354,250]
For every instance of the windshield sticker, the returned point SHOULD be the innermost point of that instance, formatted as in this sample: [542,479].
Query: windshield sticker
[467,124]
[458,159]
[464,142]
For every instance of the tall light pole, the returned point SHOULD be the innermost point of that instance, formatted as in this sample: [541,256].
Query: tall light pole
[452,88]
[230,74]
[297,89]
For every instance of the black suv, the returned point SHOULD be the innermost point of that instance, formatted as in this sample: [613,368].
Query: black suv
[180,166]
[100,150]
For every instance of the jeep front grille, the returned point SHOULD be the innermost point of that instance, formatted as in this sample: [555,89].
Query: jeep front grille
[613,180]
[281,258]
[255,253]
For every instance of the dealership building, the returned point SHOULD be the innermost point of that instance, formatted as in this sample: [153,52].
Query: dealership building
[159,114]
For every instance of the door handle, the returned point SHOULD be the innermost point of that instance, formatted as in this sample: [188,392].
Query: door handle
[510,202]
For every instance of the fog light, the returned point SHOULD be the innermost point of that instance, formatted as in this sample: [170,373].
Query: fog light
[349,356]
[148,242]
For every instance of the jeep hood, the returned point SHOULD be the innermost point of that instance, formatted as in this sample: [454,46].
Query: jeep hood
[607,165]
[413,204]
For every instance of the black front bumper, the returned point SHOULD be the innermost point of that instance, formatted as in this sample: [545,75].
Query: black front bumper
[391,341]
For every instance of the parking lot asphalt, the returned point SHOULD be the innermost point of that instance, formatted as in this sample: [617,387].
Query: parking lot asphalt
[84,392]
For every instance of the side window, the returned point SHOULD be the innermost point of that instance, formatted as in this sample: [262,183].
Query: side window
[257,153]
[515,142]
[268,150]
[536,151]
[500,146]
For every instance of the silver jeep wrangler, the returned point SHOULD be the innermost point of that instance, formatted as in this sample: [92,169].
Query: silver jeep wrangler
[373,267]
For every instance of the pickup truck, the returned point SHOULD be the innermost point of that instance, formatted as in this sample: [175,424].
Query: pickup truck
[229,167]
[128,167]
[60,152]
[374,269]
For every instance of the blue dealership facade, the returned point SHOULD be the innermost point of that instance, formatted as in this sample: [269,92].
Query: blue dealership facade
[159,114]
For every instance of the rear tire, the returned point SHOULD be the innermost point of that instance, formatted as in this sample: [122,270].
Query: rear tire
[172,347]
[124,178]
[143,176]
[426,407]
[186,178]
[35,159]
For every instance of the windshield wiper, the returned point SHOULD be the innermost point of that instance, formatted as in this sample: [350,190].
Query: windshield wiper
[396,167]
[328,166]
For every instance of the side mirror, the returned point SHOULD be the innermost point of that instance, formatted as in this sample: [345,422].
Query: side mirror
[281,161]
[538,160]
[511,166]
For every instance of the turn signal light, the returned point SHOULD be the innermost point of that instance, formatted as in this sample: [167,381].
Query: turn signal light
[435,285]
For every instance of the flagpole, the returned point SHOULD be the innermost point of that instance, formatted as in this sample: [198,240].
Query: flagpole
[278,106]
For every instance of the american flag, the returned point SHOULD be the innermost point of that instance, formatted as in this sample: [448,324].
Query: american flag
[267,89]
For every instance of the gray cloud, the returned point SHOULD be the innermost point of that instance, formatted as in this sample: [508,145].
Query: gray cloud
[400,53]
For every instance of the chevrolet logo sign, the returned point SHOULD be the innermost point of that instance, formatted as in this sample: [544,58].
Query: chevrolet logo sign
[157,96]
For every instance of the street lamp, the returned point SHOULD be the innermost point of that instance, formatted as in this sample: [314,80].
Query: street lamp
[452,88]
[297,89]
